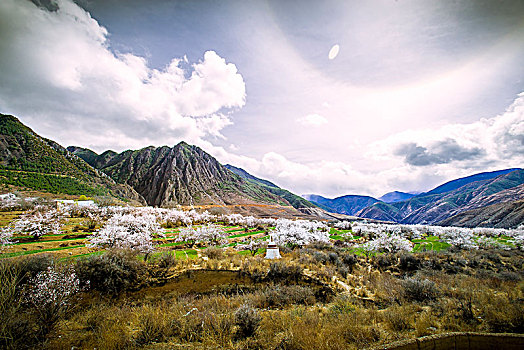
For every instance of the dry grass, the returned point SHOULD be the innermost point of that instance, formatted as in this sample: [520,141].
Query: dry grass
[291,305]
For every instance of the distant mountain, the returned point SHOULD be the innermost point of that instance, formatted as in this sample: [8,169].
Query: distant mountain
[500,215]
[436,206]
[296,201]
[396,196]
[454,184]
[29,161]
[348,205]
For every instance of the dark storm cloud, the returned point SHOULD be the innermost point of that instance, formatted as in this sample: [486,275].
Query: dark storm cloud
[442,152]
[49,5]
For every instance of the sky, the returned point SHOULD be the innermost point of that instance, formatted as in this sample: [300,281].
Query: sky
[323,97]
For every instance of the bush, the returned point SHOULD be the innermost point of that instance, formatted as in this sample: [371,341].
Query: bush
[248,320]
[30,266]
[408,262]
[113,272]
[281,296]
[384,260]
[281,271]
[398,318]
[350,260]
[416,289]
[50,295]
[214,253]
[10,305]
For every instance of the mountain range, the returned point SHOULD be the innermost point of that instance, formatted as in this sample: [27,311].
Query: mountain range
[186,175]
[491,199]
[28,161]
[157,176]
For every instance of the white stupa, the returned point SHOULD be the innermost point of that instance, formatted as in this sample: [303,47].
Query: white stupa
[272,251]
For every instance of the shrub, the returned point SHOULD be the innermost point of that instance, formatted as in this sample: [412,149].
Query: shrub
[248,320]
[156,324]
[320,257]
[112,272]
[350,260]
[30,266]
[398,318]
[214,253]
[281,271]
[10,305]
[416,289]
[384,260]
[408,262]
[281,296]
[342,304]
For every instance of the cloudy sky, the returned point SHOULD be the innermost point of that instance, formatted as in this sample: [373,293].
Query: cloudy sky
[324,97]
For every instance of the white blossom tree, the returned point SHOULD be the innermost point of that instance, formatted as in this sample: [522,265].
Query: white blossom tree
[6,235]
[209,234]
[39,223]
[387,242]
[299,232]
[50,294]
[128,232]
[252,245]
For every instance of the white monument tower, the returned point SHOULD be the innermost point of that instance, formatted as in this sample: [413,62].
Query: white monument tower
[272,251]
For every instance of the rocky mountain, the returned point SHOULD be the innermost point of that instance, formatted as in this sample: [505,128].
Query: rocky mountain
[296,201]
[180,175]
[455,184]
[448,200]
[500,215]
[29,161]
[348,205]
[396,196]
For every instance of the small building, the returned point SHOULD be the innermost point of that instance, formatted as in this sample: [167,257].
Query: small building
[272,251]
[62,203]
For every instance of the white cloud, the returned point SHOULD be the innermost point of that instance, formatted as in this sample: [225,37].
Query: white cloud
[453,151]
[312,120]
[60,76]
[490,141]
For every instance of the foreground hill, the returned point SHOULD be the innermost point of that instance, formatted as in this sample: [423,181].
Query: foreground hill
[437,206]
[348,205]
[29,161]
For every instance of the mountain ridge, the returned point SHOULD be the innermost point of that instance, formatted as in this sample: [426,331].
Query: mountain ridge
[348,204]
[433,208]
[29,160]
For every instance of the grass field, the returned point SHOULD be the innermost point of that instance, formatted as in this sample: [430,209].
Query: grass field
[66,245]
[429,243]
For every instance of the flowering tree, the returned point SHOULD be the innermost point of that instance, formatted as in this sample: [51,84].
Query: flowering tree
[208,234]
[6,235]
[174,218]
[128,231]
[299,232]
[211,234]
[50,294]
[459,237]
[384,242]
[253,245]
[343,225]
[39,223]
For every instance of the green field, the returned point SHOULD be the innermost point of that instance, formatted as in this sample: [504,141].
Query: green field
[429,243]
